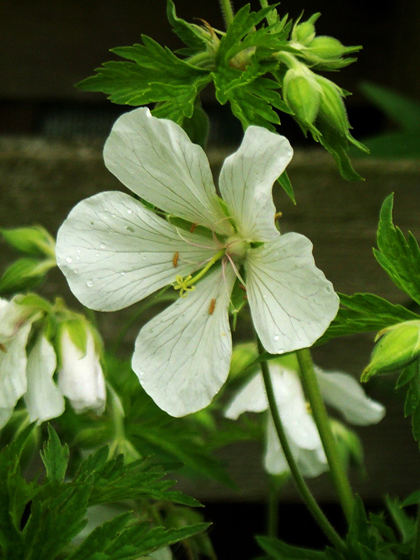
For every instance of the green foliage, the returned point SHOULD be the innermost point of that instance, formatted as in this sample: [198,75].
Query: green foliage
[364,313]
[398,256]
[282,551]
[247,65]
[148,430]
[40,520]
[406,113]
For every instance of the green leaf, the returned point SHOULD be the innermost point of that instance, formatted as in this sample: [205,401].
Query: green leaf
[34,240]
[404,523]
[189,33]
[197,127]
[24,274]
[282,551]
[407,375]
[412,499]
[55,456]
[155,74]
[287,186]
[364,313]
[398,256]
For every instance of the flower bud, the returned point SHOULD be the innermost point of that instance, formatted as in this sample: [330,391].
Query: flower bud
[80,375]
[331,106]
[302,94]
[30,240]
[304,32]
[396,348]
[327,47]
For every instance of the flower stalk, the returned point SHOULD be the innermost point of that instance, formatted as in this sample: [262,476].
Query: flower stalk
[320,415]
[303,489]
[227,11]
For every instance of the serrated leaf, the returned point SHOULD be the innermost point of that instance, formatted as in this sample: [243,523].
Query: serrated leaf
[282,551]
[55,456]
[187,32]
[398,257]
[154,75]
[404,523]
[364,313]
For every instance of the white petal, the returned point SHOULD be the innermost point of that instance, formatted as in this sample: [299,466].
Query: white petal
[13,362]
[251,398]
[114,251]
[298,424]
[246,181]
[346,395]
[80,376]
[311,462]
[291,301]
[12,316]
[43,398]
[182,355]
[158,162]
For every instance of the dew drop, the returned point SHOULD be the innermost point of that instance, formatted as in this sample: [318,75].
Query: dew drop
[102,246]
[78,251]
[129,211]
[76,271]
[69,260]
[89,283]
[122,273]
[328,289]
[144,257]
[141,373]
[96,254]
[276,337]
[129,228]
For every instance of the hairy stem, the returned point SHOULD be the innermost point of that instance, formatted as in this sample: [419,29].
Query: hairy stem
[338,474]
[304,491]
[227,11]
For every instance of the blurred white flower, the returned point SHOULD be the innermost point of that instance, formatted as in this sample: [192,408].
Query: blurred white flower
[22,375]
[339,390]
[80,375]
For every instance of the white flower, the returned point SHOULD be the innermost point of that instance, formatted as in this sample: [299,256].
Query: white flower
[80,375]
[339,390]
[116,251]
[22,375]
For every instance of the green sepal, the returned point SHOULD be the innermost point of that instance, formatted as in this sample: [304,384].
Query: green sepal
[287,186]
[76,329]
[197,126]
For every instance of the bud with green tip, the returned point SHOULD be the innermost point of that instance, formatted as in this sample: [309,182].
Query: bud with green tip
[396,348]
[325,47]
[33,240]
[302,94]
[80,375]
[304,32]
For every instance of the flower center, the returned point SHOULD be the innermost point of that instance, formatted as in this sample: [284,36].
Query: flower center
[237,248]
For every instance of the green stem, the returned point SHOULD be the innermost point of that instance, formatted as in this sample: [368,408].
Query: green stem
[338,474]
[227,12]
[304,491]
[275,484]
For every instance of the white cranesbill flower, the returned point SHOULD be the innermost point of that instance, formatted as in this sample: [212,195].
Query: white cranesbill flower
[115,251]
[30,376]
[339,390]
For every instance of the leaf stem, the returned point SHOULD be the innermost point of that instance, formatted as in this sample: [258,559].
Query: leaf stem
[304,491]
[227,11]
[313,393]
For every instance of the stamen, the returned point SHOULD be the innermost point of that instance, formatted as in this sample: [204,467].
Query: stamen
[3,348]
[175,259]
[185,285]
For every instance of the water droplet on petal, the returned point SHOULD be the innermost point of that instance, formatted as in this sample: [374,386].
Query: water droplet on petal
[276,337]
[122,273]
[102,246]
[96,254]
[129,211]
[328,289]
[129,228]
[141,373]
[78,251]
[76,271]
[89,283]
[144,257]
[69,260]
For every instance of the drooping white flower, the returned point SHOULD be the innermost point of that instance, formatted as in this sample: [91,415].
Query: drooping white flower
[115,251]
[339,390]
[20,375]
[80,375]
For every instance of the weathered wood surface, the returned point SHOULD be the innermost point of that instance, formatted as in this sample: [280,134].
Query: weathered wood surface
[41,181]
